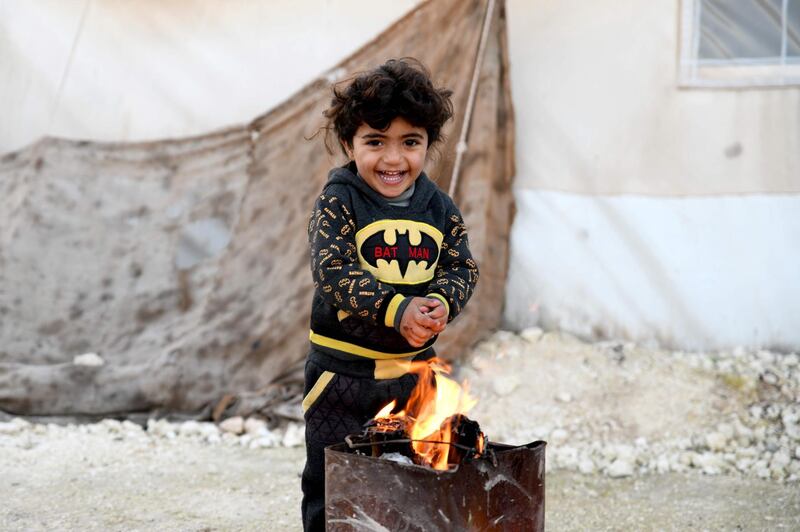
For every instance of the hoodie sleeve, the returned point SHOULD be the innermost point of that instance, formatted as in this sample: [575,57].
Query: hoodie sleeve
[456,272]
[337,274]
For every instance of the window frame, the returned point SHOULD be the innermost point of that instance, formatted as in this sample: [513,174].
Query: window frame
[693,72]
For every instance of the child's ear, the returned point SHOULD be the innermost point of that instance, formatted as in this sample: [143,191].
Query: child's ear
[348,148]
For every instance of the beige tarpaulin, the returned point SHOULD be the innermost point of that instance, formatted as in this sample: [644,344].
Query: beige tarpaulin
[177,271]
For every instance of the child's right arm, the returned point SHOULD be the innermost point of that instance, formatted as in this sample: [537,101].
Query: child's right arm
[335,269]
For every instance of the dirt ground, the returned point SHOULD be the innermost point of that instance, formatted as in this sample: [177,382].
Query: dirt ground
[638,439]
[91,485]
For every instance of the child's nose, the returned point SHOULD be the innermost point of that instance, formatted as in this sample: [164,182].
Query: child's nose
[392,154]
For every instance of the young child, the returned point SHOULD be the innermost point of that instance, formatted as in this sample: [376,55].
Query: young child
[389,258]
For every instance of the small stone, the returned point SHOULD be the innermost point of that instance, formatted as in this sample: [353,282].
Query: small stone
[294,435]
[716,441]
[531,334]
[791,360]
[662,464]
[566,457]
[780,459]
[620,468]
[797,452]
[709,463]
[564,397]
[88,359]
[505,384]
[254,425]
[161,428]
[233,425]
[14,426]
[586,466]
[112,425]
[558,436]
[772,412]
[190,428]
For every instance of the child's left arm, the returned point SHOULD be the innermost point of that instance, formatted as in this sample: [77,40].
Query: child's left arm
[456,272]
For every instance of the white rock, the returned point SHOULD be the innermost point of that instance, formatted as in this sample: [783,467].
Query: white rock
[14,426]
[777,473]
[190,428]
[662,464]
[254,425]
[797,452]
[567,457]
[208,429]
[131,427]
[625,452]
[294,436]
[531,334]
[233,425]
[558,436]
[793,431]
[586,466]
[88,359]
[564,397]
[620,468]
[709,463]
[791,360]
[214,439]
[228,438]
[780,459]
[264,442]
[716,441]
[161,428]
[505,384]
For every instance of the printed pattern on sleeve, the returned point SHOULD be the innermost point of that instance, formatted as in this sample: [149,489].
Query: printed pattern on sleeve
[457,272]
[334,263]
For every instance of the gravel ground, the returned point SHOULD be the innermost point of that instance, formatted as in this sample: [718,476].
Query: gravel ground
[638,439]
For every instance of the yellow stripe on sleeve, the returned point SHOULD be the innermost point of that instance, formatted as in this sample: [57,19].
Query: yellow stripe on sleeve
[391,310]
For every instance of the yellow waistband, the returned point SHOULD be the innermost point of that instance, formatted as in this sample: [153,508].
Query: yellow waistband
[354,349]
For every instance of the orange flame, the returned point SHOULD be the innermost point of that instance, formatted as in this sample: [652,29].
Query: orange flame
[427,416]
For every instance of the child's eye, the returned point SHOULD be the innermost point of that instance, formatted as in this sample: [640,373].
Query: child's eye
[373,142]
[412,142]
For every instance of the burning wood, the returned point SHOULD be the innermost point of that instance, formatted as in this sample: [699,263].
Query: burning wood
[432,429]
[468,483]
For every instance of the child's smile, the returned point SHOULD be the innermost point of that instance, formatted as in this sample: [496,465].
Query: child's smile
[390,160]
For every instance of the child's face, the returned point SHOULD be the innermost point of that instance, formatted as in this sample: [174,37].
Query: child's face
[392,159]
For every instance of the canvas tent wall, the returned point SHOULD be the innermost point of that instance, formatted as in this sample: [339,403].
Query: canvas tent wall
[646,211]
[182,264]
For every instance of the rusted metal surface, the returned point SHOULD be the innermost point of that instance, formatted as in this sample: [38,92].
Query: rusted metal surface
[504,493]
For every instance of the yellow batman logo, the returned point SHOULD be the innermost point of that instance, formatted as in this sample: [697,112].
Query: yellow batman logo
[399,251]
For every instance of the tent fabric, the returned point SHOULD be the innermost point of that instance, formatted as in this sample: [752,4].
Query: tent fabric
[173,275]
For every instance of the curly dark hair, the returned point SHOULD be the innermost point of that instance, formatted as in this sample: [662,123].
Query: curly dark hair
[399,87]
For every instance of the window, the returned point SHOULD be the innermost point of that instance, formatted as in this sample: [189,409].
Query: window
[740,43]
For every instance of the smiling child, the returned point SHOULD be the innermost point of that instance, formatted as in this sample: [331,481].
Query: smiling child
[390,260]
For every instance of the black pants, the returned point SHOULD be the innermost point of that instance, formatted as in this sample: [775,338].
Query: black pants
[342,408]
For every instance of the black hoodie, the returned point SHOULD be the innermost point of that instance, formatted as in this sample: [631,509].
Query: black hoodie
[368,258]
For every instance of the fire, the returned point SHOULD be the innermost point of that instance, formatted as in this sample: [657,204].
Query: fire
[430,411]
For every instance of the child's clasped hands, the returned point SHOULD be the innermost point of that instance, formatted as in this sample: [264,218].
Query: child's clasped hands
[424,317]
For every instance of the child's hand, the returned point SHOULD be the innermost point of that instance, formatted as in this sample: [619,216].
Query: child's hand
[436,311]
[416,325]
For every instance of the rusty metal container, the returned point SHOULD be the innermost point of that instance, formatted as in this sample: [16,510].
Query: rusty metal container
[503,491]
